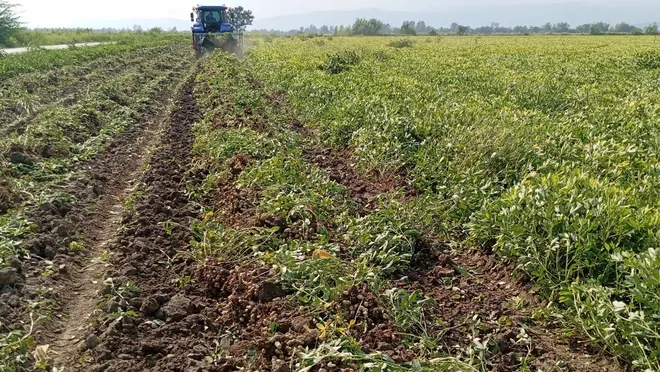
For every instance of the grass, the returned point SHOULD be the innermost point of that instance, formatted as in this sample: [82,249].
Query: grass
[543,149]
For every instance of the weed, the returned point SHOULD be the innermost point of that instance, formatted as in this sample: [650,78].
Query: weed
[401,43]
[340,62]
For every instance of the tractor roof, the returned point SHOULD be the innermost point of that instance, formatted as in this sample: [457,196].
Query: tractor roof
[211,8]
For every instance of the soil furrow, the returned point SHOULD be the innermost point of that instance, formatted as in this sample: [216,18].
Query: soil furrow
[117,175]
[152,264]
[70,242]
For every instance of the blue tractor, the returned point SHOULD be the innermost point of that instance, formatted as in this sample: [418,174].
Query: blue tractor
[211,29]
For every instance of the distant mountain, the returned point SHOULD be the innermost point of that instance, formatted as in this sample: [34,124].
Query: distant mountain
[575,13]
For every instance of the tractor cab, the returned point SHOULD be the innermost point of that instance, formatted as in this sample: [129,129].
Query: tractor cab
[210,19]
[211,30]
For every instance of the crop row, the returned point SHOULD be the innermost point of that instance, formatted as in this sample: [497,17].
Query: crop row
[41,153]
[40,59]
[544,149]
[26,95]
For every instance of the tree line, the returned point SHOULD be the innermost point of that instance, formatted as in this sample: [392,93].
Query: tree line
[373,27]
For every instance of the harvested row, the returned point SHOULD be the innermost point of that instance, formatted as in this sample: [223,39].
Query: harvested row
[39,59]
[24,96]
[55,240]
[149,260]
[49,145]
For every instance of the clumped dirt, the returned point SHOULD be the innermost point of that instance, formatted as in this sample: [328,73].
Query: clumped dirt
[476,296]
[236,206]
[8,197]
[152,247]
[373,327]
[263,321]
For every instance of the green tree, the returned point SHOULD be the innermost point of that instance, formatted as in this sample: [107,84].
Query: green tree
[9,22]
[408,28]
[420,27]
[602,27]
[462,30]
[240,18]
[366,27]
[583,29]
[623,27]
[561,27]
[651,29]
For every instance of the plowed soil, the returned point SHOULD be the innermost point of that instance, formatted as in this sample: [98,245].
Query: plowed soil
[152,246]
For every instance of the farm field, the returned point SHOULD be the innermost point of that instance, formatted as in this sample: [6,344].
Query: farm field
[334,204]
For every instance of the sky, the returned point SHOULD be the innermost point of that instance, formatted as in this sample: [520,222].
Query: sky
[69,13]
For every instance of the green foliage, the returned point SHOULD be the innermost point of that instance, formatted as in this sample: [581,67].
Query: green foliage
[401,43]
[625,318]
[649,60]
[563,227]
[9,22]
[240,18]
[316,283]
[294,191]
[340,62]
[346,350]
[545,151]
[382,239]
[408,310]
[14,348]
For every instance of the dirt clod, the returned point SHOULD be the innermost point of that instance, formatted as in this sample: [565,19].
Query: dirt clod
[128,270]
[8,276]
[270,291]
[4,309]
[21,158]
[177,308]
[8,198]
[149,306]
[91,342]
